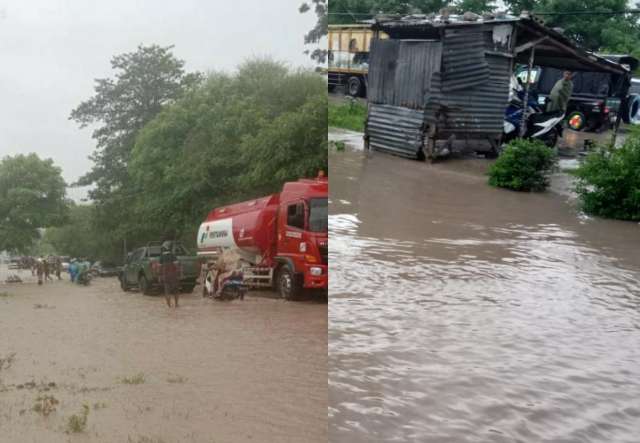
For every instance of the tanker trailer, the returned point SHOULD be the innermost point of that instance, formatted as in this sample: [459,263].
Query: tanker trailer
[281,239]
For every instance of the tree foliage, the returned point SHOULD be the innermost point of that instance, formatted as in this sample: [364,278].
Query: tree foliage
[80,237]
[609,181]
[524,165]
[144,82]
[319,30]
[235,137]
[32,196]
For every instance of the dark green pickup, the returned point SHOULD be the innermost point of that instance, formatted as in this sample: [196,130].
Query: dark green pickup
[142,268]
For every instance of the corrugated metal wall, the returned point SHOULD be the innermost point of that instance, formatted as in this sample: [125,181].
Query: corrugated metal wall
[395,129]
[460,86]
[473,111]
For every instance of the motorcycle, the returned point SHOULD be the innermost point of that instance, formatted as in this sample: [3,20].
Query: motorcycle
[542,125]
[233,287]
[84,278]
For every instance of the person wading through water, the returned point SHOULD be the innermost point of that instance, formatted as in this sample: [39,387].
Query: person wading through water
[561,93]
[40,269]
[169,275]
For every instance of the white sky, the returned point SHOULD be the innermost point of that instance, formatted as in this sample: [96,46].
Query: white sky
[51,50]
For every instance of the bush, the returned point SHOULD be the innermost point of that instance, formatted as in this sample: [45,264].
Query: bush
[609,181]
[523,166]
[348,116]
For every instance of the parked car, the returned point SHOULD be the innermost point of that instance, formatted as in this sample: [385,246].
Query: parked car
[102,269]
[142,268]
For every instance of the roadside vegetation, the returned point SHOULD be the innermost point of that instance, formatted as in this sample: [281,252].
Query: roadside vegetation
[136,379]
[609,180]
[171,145]
[78,422]
[348,115]
[524,165]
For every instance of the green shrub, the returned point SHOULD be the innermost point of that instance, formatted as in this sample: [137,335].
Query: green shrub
[348,116]
[78,423]
[523,166]
[609,181]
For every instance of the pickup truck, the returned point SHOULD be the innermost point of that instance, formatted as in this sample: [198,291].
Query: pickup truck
[142,268]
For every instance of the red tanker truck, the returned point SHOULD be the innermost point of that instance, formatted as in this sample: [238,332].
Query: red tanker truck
[282,238]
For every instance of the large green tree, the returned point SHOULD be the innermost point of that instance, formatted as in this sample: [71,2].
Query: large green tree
[144,81]
[237,136]
[319,30]
[595,24]
[32,196]
[81,237]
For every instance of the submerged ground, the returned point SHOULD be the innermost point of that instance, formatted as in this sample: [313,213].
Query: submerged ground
[464,313]
[244,371]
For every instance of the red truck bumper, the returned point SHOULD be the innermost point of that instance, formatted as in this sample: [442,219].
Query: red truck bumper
[316,281]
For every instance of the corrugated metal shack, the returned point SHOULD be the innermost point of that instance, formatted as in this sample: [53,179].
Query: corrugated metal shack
[439,82]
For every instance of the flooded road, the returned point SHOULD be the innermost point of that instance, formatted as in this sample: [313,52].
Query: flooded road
[464,313]
[243,371]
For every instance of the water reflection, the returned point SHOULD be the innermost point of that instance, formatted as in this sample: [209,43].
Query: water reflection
[462,313]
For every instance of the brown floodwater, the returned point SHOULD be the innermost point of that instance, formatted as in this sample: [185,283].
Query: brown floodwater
[463,313]
[241,371]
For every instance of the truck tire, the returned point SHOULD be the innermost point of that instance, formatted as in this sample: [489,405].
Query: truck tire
[354,87]
[187,289]
[143,284]
[287,288]
[123,284]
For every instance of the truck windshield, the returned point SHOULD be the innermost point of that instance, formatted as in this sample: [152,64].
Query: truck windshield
[318,215]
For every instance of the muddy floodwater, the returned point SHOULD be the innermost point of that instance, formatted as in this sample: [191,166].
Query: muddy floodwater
[242,371]
[463,313]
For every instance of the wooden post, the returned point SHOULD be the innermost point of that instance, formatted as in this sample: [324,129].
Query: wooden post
[525,105]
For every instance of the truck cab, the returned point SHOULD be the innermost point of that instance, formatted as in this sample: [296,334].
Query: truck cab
[302,242]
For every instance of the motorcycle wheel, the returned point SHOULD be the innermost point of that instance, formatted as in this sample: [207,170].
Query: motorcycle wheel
[551,139]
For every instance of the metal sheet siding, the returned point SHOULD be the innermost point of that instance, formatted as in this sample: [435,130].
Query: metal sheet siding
[395,129]
[463,62]
[477,111]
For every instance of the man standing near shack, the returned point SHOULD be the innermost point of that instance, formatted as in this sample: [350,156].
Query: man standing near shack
[561,93]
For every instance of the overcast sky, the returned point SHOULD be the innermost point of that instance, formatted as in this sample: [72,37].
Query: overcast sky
[51,50]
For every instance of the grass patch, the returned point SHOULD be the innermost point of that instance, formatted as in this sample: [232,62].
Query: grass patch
[78,423]
[348,115]
[45,405]
[137,379]
[144,439]
[4,294]
[6,362]
[337,145]
[177,379]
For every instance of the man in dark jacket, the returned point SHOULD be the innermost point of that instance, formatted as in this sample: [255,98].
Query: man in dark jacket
[561,93]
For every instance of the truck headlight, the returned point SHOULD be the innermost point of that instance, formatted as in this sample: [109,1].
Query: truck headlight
[315,271]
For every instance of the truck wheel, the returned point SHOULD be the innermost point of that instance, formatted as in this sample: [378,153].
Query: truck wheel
[123,284]
[286,285]
[354,87]
[143,284]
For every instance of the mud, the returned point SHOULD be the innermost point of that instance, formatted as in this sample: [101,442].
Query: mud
[242,371]
[464,313]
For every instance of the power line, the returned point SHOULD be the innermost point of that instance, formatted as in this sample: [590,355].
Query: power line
[626,11]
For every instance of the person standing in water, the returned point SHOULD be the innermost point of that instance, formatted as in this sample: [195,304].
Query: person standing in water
[40,269]
[169,275]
